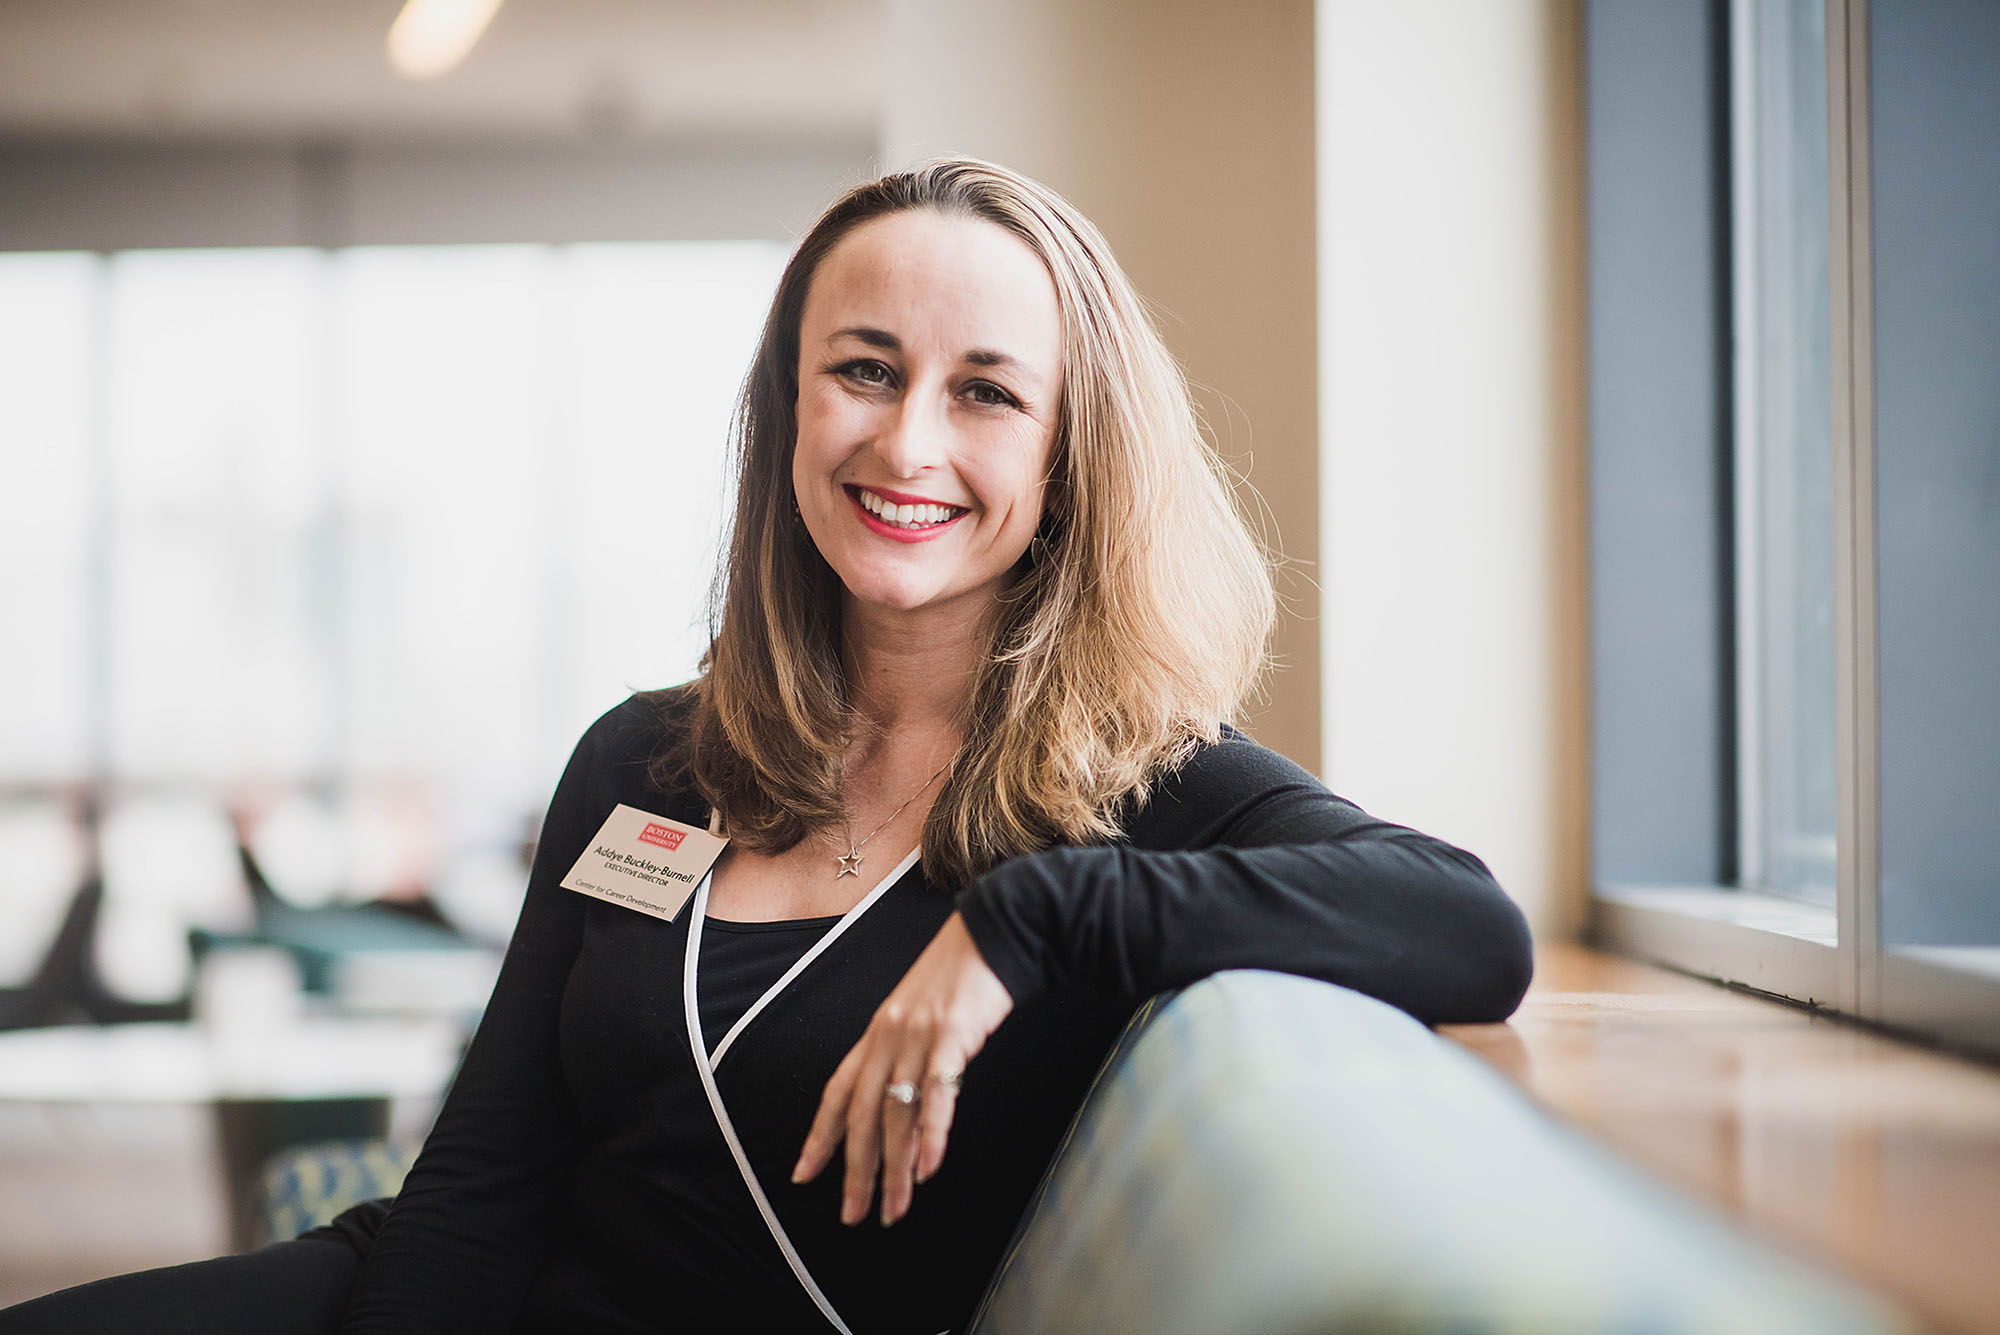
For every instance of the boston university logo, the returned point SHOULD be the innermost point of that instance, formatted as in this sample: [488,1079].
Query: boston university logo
[664,836]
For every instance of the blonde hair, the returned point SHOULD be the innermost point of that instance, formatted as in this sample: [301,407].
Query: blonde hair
[1135,627]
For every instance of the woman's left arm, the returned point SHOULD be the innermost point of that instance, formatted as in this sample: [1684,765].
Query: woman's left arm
[1243,860]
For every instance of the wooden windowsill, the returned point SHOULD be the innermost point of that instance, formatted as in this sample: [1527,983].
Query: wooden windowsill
[1874,1155]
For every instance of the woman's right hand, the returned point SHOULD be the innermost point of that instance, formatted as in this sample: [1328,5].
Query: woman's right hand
[921,1036]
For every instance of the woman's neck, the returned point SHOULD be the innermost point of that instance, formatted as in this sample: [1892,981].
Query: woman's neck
[913,675]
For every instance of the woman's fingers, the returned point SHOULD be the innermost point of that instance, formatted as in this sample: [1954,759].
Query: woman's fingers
[940,1101]
[864,1145]
[899,1135]
[881,1130]
[830,1122]
[917,1046]
[915,1142]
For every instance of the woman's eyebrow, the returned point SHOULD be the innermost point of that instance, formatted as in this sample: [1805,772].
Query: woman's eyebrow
[874,338]
[1005,361]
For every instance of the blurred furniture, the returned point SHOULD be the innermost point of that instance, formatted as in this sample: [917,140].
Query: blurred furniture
[68,986]
[56,903]
[381,956]
[1270,1154]
[305,1185]
[131,915]
[370,958]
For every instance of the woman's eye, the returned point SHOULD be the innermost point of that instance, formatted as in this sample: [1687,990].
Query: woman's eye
[866,372]
[991,395]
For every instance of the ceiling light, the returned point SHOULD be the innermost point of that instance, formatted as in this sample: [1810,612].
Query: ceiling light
[430,37]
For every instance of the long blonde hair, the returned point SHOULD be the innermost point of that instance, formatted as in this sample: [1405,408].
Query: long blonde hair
[1135,627]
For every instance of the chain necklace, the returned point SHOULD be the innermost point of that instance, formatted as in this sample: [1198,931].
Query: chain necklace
[849,863]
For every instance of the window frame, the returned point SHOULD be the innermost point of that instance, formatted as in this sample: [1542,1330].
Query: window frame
[1714,928]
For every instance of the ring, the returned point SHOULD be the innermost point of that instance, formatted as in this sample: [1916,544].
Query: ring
[951,1080]
[902,1092]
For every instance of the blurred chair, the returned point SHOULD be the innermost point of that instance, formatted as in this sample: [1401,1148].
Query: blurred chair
[42,866]
[49,914]
[306,1185]
[54,900]
[305,862]
[170,866]
[1269,1155]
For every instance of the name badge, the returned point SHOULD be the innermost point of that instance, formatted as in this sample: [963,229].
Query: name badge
[644,862]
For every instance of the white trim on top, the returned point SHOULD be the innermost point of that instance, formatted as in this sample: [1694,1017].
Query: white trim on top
[691,1010]
[852,916]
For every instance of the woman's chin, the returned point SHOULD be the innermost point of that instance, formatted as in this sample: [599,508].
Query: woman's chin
[899,599]
[893,602]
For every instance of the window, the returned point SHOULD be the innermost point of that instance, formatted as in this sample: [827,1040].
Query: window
[1782,449]
[353,543]
[1795,304]
[1934,324]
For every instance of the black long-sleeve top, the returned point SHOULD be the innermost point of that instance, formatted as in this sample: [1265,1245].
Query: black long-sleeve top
[576,1178]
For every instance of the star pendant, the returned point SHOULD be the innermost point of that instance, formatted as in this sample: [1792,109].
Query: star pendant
[850,863]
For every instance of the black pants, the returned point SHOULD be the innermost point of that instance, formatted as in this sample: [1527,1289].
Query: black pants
[288,1288]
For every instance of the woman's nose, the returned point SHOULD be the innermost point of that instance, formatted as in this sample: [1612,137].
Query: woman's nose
[913,440]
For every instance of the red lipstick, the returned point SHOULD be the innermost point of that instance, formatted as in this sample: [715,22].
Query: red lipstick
[924,534]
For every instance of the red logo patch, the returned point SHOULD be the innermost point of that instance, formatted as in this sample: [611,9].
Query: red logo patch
[666,838]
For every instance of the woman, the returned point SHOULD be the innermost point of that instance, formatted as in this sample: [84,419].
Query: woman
[985,608]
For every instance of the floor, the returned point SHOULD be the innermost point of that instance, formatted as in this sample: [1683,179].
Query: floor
[1878,1156]
[96,1190]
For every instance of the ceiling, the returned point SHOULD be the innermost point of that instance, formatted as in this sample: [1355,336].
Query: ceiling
[290,69]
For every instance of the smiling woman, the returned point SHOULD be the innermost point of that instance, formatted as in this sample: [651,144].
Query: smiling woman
[917,425]
[962,729]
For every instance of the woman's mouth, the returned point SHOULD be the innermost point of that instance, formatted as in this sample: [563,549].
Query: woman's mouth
[912,519]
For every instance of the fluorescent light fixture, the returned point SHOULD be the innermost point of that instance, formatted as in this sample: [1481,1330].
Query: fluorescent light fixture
[430,37]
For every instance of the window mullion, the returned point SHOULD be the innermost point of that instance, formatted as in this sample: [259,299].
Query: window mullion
[1747,577]
[1856,729]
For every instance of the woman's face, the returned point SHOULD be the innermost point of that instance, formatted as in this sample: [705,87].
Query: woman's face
[930,375]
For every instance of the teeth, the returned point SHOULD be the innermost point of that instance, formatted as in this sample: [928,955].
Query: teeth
[911,516]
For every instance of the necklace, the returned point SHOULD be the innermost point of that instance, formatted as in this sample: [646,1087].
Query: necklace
[849,863]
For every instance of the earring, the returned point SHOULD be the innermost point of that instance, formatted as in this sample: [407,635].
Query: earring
[1038,546]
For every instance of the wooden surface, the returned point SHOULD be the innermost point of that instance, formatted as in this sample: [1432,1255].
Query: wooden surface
[1877,1156]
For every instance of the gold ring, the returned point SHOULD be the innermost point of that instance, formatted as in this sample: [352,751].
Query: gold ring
[951,1080]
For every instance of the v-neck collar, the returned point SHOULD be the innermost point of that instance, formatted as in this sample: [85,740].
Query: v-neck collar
[698,917]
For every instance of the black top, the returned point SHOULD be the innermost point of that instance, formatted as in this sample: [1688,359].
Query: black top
[740,961]
[576,1179]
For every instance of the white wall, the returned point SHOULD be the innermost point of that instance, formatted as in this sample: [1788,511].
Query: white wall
[1451,369]
[1184,129]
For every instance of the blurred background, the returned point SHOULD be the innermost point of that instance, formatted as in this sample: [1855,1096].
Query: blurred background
[365,371]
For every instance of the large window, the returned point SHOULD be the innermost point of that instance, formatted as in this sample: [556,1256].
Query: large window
[1795,304]
[344,548]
